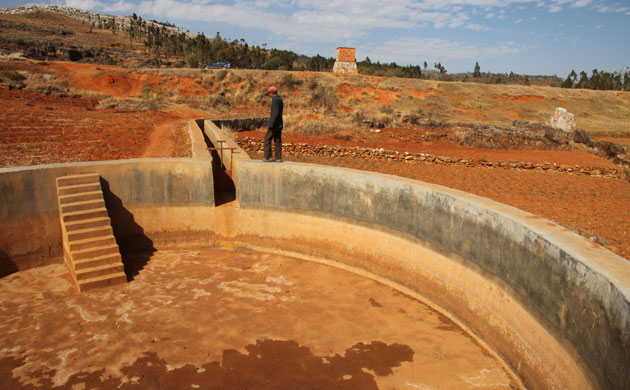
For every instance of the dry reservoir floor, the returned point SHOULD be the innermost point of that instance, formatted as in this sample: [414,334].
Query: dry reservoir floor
[224,319]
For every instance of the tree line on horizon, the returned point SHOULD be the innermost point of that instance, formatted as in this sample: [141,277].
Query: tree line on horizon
[599,80]
[162,40]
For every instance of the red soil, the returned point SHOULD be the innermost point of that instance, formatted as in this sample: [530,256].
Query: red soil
[520,99]
[383,97]
[39,129]
[409,140]
[423,93]
[115,82]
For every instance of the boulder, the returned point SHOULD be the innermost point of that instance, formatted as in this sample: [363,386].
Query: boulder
[563,120]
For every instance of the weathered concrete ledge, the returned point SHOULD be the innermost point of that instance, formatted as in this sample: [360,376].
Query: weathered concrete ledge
[232,153]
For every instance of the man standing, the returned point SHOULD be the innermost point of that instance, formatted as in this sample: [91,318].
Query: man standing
[274,127]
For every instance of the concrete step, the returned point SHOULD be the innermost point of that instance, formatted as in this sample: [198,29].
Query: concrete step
[80,196]
[67,190]
[83,215]
[102,281]
[92,232]
[82,224]
[112,258]
[100,270]
[84,178]
[88,243]
[83,205]
[84,254]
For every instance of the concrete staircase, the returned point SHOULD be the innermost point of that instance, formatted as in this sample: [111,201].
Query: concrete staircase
[89,246]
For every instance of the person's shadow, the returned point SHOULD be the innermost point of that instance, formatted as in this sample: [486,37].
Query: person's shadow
[136,248]
[267,364]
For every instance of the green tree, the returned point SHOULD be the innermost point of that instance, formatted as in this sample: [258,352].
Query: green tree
[584,81]
[192,61]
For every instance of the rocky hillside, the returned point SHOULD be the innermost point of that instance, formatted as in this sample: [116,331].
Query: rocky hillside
[55,33]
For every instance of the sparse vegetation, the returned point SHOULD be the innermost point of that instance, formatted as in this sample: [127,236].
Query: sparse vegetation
[323,96]
[220,75]
[13,76]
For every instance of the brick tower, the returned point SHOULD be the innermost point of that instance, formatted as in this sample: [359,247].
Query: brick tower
[346,62]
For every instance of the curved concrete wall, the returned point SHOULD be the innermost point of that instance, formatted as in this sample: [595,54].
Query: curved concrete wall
[577,292]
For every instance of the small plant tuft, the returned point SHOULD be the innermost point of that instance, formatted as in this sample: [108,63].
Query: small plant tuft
[220,75]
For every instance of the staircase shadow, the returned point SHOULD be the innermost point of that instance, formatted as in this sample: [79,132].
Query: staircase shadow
[224,189]
[7,265]
[136,249]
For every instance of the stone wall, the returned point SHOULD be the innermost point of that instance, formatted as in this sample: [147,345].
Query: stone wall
[345,67]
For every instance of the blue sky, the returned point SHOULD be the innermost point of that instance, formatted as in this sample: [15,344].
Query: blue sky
[524,36]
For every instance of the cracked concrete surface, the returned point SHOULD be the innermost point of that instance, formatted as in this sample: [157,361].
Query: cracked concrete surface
[215,318]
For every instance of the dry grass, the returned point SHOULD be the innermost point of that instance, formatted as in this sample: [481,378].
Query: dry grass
[431,101]
[320,125]
[128,104]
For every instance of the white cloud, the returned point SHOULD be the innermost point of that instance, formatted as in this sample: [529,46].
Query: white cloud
[119,6]
[581,3]
[84,4]
[616,8]
[304,22]
[316,20]
[411,50]
[477,27]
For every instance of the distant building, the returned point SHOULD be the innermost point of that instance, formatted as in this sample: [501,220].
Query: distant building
[346,61]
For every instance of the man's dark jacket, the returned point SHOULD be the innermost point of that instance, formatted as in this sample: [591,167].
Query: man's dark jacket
[275,118]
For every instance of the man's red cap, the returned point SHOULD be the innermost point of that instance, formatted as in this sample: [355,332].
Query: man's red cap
[272,89]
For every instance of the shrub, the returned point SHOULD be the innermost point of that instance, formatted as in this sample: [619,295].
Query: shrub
[289,81]
[312,84]
[192,61]
[217,101]
[14,76]
[324,96]
[220,75]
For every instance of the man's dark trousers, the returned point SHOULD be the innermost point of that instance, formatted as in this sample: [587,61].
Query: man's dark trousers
[276,135]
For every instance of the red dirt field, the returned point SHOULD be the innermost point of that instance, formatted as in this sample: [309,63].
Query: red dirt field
[112,81]
[40,129]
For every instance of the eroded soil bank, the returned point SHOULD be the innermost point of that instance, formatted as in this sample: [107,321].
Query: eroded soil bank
[213,318]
